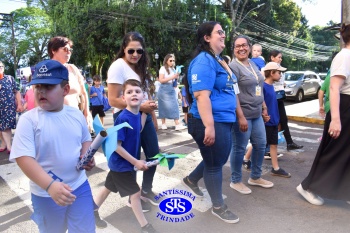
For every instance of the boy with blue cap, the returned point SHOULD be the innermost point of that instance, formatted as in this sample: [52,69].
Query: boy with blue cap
[48,142]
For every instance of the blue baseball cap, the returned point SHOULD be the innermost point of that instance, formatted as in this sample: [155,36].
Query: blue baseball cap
[49,72]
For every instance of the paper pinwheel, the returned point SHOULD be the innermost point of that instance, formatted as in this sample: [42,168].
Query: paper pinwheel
[109,145]
[167,160]
[178,69]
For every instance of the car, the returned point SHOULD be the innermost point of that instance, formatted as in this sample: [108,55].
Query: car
[322,76]
[301,84]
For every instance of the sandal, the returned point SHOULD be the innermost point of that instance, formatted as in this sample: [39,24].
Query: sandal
[2,149]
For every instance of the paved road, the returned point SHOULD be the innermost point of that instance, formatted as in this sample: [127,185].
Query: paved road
[280,209]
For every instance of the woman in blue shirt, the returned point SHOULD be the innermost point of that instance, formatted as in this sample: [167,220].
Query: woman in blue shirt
[212,89]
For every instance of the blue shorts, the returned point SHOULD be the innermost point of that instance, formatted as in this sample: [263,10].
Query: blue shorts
[78,217]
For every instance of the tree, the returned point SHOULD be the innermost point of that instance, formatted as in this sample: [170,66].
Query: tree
[32,28]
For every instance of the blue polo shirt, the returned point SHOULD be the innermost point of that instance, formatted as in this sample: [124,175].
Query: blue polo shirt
[206,73]
[271,104]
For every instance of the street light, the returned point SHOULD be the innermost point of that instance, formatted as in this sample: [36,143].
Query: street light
[258,6]
[156,56]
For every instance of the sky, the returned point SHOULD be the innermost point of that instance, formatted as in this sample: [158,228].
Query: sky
[320,12]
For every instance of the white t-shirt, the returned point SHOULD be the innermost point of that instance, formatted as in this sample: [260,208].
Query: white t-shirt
[54,140]
[119,72]
[341,66]
[157,85]
[162,70]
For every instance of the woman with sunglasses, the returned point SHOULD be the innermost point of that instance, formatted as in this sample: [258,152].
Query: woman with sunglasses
[132,62]
[168,105]
[9,96]
[60,49]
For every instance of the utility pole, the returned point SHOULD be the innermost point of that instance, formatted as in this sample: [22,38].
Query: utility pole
[13,52]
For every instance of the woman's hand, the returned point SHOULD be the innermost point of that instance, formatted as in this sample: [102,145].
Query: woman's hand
[243,124]
[209,136]
[148,106]
[334,128]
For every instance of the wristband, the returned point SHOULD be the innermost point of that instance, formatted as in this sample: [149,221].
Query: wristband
[49,185]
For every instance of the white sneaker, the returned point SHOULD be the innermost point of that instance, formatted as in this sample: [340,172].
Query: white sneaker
[241,188]
[164,127]
[309,196]
[180,127]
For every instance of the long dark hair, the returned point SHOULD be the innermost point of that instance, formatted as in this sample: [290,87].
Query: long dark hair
[205,29]
[345,33]
[143,64]
[273,53]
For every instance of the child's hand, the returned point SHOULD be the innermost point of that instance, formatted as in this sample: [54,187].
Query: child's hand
[141,165]
[61,193]
[90,164]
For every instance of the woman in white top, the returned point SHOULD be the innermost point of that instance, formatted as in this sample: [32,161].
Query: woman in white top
[330,172]
[60,49]
[167,100]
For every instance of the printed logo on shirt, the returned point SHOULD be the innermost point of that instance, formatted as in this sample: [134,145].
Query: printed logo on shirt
[194,79]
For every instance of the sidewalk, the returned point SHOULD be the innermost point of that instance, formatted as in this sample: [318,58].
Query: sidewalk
[306,111]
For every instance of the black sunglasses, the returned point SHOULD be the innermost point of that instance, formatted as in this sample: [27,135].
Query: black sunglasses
[132,51]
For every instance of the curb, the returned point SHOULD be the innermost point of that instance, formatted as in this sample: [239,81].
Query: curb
[306,119]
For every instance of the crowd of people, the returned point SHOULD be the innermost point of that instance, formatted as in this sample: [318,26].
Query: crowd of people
[228,105]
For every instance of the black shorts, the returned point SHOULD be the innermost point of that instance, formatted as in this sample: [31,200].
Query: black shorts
[271,135]
[97,109]
[185,109]
[122,182]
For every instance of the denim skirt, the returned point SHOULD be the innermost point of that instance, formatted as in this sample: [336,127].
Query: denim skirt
[168,105]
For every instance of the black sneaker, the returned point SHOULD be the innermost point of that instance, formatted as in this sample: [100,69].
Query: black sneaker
[247,165]
[225,215]
[280,172]
[149,196]
[194,187]
[148,229]
[268,155]
[98,221]
[294,146]
[146,207]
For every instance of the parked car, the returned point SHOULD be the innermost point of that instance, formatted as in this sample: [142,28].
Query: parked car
[301,84]
[322,77]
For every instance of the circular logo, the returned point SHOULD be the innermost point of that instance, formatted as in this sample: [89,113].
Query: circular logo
[175,206]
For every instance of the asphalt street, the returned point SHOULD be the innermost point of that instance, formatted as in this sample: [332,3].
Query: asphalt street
[275,210]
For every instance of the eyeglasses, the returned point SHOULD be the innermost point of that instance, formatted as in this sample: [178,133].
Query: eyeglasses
[132,51]
[243,46]
[67,49]
[172,60]
[221,32]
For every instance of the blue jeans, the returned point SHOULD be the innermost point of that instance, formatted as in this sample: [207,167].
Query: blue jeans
[149,144]
[257,135]
[214,157]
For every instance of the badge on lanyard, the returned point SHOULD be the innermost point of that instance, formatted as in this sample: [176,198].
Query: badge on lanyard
[236,88]
[258,90]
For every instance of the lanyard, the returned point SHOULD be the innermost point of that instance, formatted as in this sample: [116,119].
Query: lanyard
[252,71]
[226,67]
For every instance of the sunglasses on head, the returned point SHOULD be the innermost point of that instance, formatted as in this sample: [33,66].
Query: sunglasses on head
[67,49]
[132,51]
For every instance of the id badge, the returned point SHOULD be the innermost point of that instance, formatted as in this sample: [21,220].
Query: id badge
[258,91]
[236,88]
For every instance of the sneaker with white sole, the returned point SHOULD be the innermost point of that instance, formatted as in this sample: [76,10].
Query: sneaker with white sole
[268,155]
[193,187]
[260,182]
[180,127]
[164,127]
[280,172]
[240,187]
[150,197]
[309,196]
[224,214]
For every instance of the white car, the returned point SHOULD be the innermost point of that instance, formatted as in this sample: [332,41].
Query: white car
[301,84]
